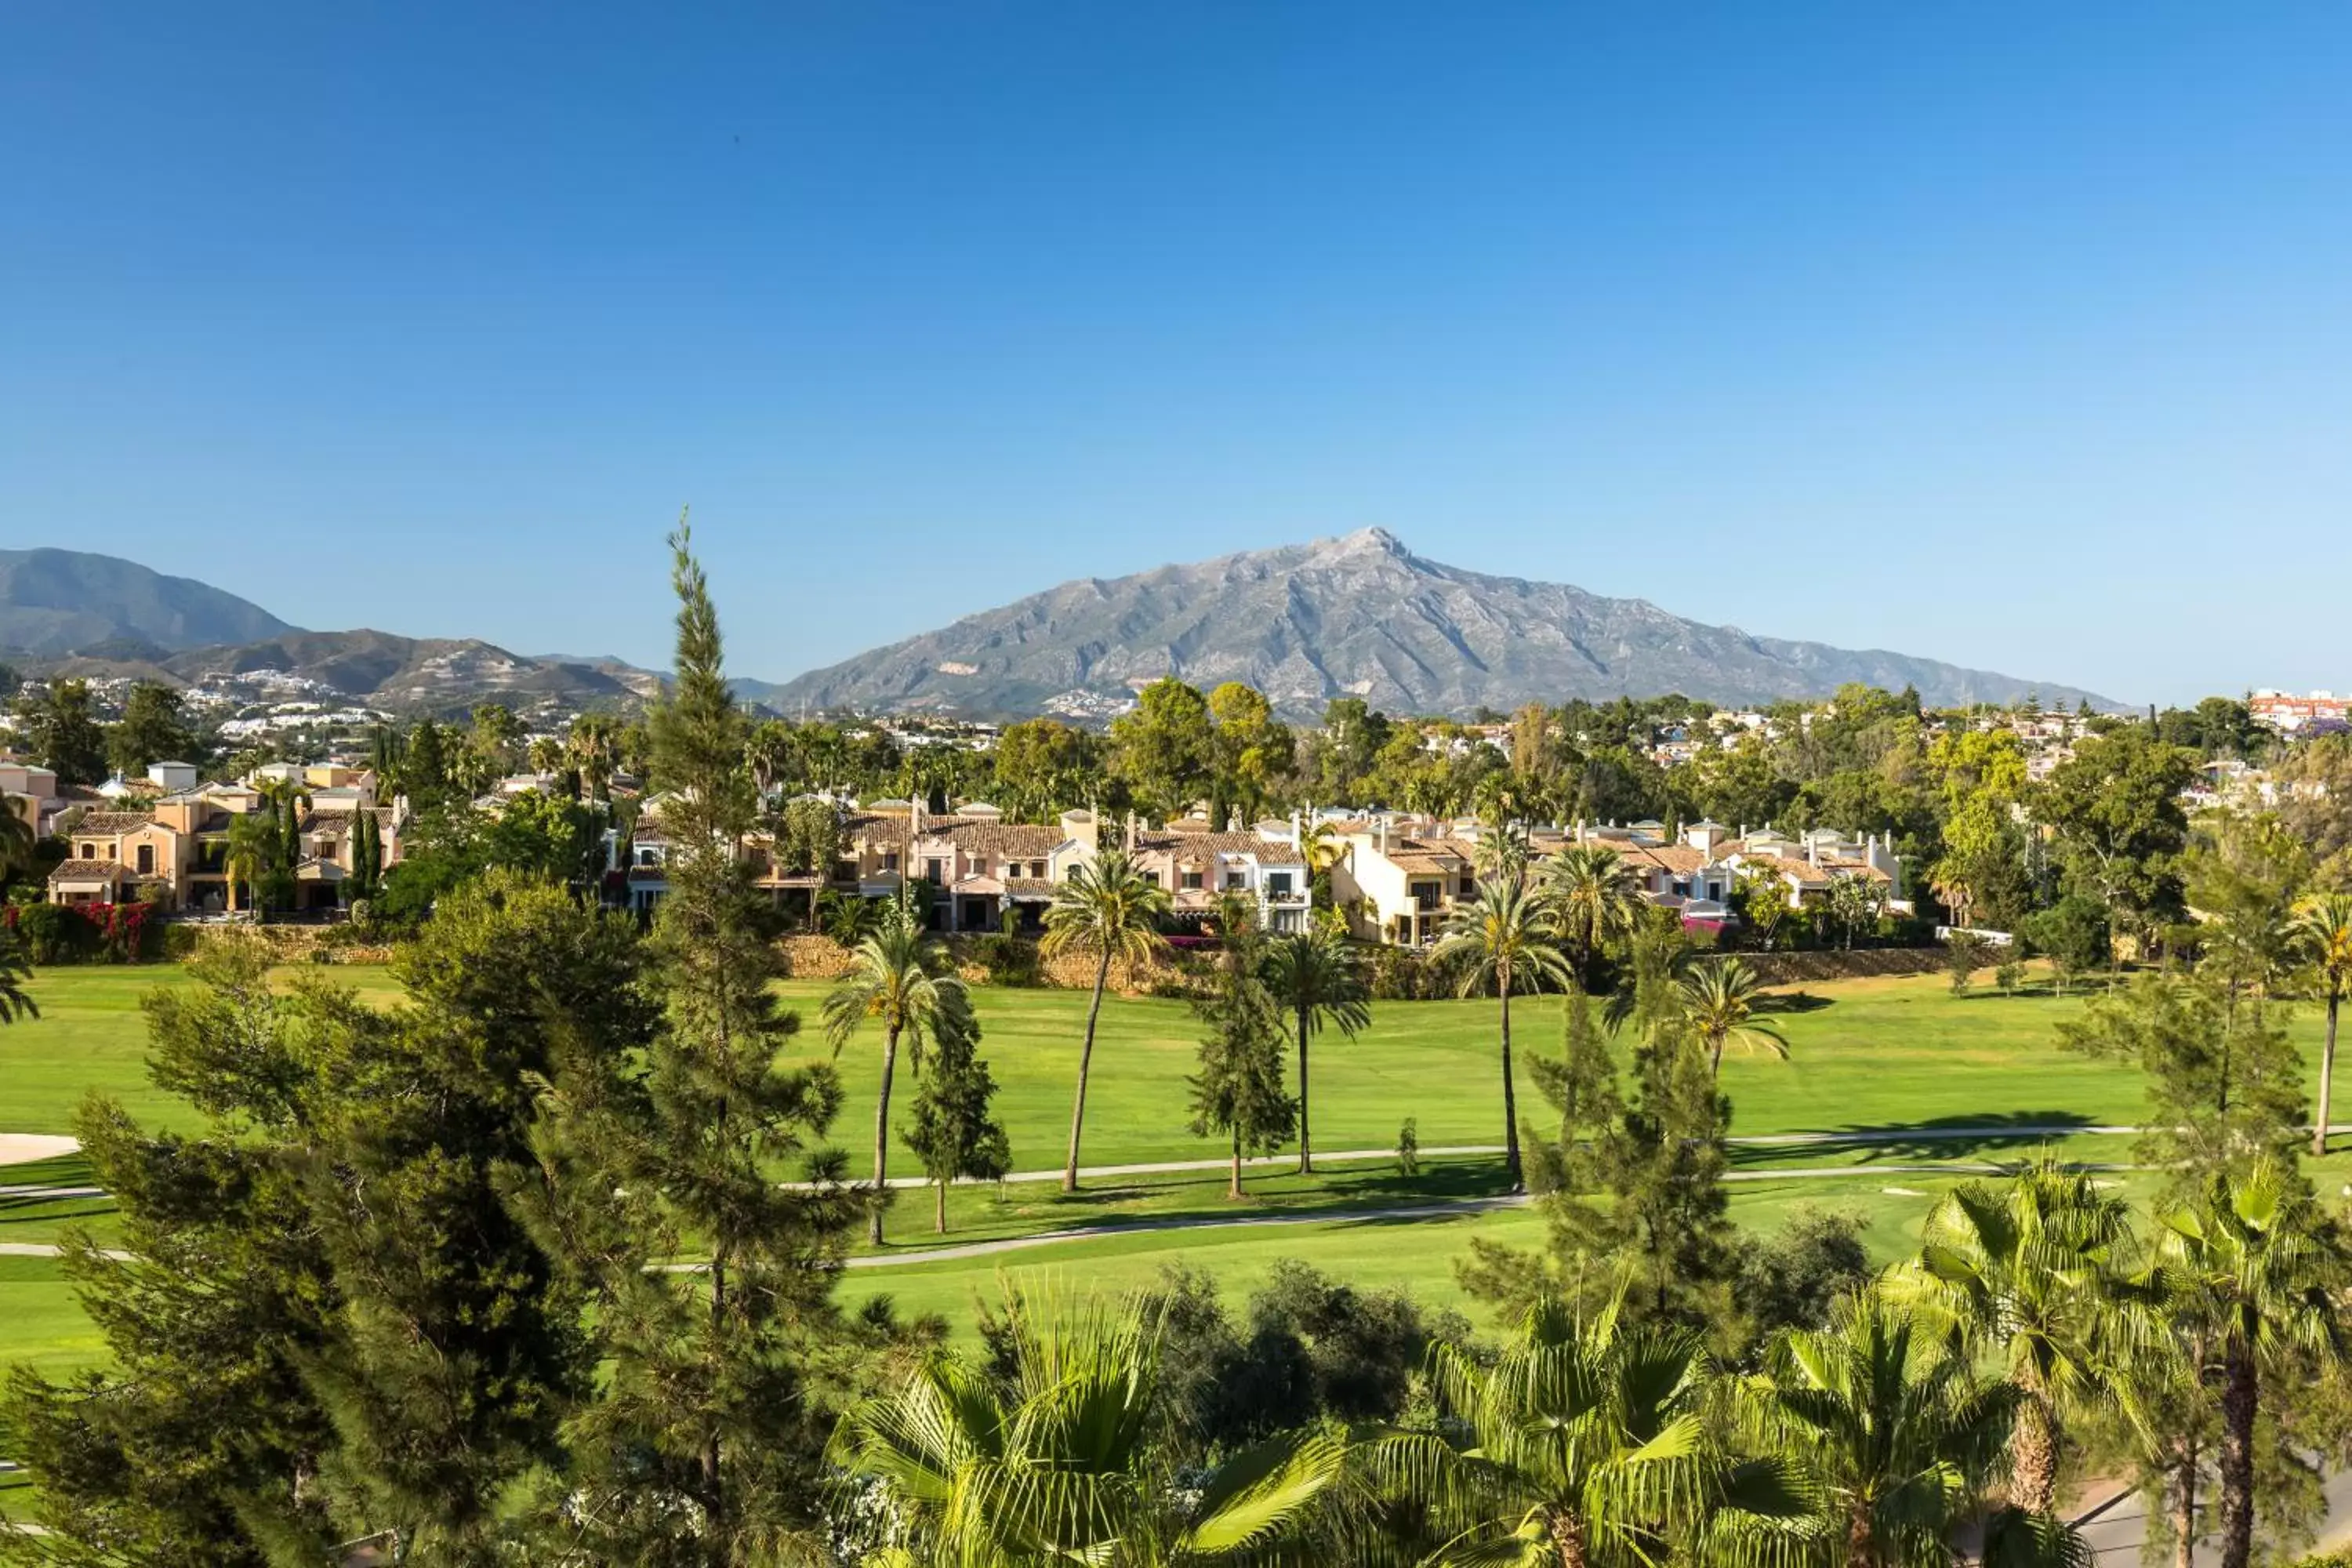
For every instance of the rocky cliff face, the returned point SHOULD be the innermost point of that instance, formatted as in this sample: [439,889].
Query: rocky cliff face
[1360,615]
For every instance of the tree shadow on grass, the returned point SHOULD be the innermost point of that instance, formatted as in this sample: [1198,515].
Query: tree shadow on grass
[1772,1002]
[1971,1136]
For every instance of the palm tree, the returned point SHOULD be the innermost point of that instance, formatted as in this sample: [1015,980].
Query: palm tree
[15,970]
[769,753]
[1596,894]
[2028,1270]
[2251,1258]
[893,978]
[1108,908]
[1056,1464]
[16,842]
[2323,930]
[1315,975]
[592,750]
[1719,999]
[1502,940]
[1584,1442]
[252,850]
[1891,1434]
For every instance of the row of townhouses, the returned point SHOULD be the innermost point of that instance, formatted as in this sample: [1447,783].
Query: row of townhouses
[170,846]
[986,869]
[1395,877]
[1399,876]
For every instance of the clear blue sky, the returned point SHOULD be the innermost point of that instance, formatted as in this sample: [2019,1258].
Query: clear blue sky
[2021,338]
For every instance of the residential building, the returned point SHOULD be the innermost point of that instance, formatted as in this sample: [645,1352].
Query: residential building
[173,851]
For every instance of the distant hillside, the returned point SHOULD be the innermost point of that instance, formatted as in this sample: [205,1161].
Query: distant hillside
[56,601]
[1360,615]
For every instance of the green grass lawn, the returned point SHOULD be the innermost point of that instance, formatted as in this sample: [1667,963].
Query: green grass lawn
[1886,1055]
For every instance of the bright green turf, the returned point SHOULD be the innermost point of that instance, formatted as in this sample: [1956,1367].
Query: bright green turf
[41,1324]
[1891,1054]
[1888,1054]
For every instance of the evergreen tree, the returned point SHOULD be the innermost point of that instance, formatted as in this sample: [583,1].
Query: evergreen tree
[59,732]
[949,1126]
[424,770]
[1652,1219]
[1581,1084]
[1238,1090]
[2224,1082]
[335,1326]
[704,1445]
[152,730]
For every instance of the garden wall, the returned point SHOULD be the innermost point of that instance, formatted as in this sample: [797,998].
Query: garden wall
[287,943]
[1862,963]
[822,958]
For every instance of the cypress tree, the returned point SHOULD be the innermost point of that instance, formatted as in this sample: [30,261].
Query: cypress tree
[949,1126]
[1238,1090]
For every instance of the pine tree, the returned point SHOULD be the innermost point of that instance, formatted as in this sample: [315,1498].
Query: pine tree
[949,1126]
[1581,1084]
[1652,1217]
[336,1326]
[1239,1091]
[704,1444]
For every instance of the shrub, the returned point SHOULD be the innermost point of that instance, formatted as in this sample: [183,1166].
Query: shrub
[2009,974]
[52,933]
[1964,953]
[1009,960]
[1409,1147]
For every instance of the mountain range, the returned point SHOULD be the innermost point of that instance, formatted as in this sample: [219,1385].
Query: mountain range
[1360,615]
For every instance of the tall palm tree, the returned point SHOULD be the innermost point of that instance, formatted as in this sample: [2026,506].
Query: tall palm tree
[1501,941]
[1315,975]
[1719,998]
[894,979]
[1596,894]
[1891,1434]
[2028,1270]
[2250,1257]
[1585,1442]
[1058,1463]
[2323,930]
[1107,907]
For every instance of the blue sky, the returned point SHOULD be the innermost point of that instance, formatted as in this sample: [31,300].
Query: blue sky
[2017,337]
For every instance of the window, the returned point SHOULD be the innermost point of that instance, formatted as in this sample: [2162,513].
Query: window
[146,859]
[90,851]
[980,865]
[1235,881]
[1192,880]
[931,869]
[648,858]
[1152,878]
[1277,884]
[890,861]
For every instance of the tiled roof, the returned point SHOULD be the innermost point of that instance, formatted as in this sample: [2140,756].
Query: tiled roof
[114,822]
[1021,841]
[1028,888]
[87,870]
[1680,860]
[1266,852]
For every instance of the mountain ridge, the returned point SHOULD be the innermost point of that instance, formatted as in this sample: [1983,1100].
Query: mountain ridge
[1359,614]
[56,601]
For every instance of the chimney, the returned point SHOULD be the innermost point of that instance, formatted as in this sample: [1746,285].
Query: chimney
[1380,834]
[1297,838]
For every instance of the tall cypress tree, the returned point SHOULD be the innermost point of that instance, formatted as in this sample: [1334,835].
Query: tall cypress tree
[1239,1091]
[673,1187]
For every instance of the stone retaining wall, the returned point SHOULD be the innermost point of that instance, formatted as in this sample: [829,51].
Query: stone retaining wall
[1862,963]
